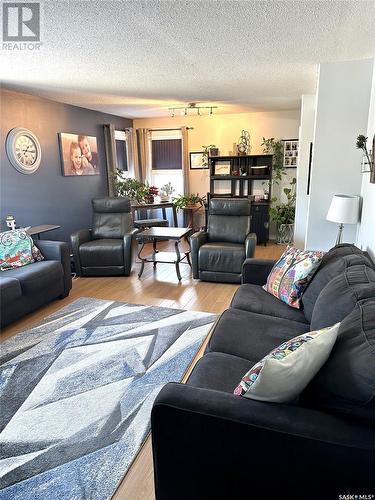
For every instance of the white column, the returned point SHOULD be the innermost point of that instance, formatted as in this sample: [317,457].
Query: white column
[342,107]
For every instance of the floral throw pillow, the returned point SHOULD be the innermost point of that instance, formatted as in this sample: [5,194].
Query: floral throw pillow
[15,249]
[291,274]
[283,374]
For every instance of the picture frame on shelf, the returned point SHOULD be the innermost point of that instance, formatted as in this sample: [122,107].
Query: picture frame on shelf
[222,167]
[197,160]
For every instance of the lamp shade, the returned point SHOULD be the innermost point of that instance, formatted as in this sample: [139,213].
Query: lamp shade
[344,209]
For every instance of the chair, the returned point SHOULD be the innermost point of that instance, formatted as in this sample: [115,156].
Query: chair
[107,248]
[218,253]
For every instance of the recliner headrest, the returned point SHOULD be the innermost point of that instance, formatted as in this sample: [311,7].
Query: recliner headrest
[229,206]
[111,205]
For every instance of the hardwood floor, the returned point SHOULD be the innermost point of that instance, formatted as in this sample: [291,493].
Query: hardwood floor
[160,288]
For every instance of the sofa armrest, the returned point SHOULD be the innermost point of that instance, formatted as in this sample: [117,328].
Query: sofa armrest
[250,245]
[196,241]
[223,442]
[256,271]
[58,250]
[130,244]
[76,240]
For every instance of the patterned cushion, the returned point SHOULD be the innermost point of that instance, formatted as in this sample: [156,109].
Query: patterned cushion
[291,274]
[37,254]
[283,374]
[15,249]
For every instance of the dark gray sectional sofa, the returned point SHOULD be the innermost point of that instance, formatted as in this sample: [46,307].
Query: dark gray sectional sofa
[27,288]
[211,444]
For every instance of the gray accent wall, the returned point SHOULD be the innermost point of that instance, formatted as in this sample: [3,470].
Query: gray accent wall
[46,197]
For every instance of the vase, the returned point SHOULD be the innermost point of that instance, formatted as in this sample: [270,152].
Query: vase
[149,198]
[285,234]
[164,198]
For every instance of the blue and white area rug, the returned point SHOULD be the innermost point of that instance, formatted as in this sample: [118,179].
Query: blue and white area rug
[77,391]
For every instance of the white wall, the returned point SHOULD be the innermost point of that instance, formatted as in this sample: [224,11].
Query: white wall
[366,234]
[306,134]
[342,108]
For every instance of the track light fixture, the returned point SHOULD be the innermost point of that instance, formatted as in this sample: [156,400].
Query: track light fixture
[192,106]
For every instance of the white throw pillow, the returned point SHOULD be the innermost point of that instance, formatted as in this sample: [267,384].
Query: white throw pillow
[283,374]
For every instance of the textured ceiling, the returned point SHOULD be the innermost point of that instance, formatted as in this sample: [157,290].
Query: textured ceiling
[135,58]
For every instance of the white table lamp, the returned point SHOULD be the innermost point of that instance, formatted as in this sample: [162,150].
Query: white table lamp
[344,209]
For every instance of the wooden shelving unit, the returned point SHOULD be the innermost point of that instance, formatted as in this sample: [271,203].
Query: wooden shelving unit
[241,172]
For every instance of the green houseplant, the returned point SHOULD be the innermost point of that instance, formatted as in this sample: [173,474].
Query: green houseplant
[189,201]
[283,215]
[132,188]
[206,153]
[166,191]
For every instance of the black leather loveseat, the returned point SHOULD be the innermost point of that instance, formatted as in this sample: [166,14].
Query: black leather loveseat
[211,444]
[27,288]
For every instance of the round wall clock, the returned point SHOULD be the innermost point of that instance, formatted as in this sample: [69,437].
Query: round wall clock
[23,150]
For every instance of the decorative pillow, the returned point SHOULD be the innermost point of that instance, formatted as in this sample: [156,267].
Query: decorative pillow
[37,254]
[283,374]
[15,249]
[291,274]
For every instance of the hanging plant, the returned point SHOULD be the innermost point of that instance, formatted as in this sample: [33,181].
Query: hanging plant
[362,144]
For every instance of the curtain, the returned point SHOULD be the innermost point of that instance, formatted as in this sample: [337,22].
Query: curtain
[110,152]
[132,152]
[144,154]
[185,159]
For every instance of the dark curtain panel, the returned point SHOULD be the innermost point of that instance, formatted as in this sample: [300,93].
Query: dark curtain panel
[121,155]
[166,154]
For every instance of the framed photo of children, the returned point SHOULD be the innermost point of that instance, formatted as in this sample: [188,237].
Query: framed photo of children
[79,154]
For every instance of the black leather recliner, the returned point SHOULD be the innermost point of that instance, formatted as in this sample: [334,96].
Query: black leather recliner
[218,253]
[107,248]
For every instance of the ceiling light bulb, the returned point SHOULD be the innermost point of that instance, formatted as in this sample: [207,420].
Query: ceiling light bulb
[199,112]
[186,112]
[210,111]
[172,114]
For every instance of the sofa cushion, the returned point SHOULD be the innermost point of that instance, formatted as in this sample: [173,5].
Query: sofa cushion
[346,383]
[107,252]
[219,371]
[38,276]
[354,284]
[251,336]
[291,274]
[10,290]
[222,257]
[281,375]
[333,263]
[15,249]
[254,299]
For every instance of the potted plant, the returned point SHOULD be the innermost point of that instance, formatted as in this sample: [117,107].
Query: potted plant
[129,187]
[283,215]
[150,193]
[362,144]
[210,150]
[189,201]
[166,191]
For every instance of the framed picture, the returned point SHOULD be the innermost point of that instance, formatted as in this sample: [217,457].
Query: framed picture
[222,167]
[79,154]
[198,160]
[290,153]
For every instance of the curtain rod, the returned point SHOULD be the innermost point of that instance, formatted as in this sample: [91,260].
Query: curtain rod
[164,129]
[168,129]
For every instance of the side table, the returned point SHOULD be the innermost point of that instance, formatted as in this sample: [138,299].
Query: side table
[164,233]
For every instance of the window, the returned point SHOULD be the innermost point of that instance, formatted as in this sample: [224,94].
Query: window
[166,154]
[167,160]
[121,153]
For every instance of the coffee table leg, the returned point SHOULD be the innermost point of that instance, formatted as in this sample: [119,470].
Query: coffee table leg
[142,260]
[178,260]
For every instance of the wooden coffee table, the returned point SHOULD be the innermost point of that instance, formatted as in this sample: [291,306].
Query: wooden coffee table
[155,234]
